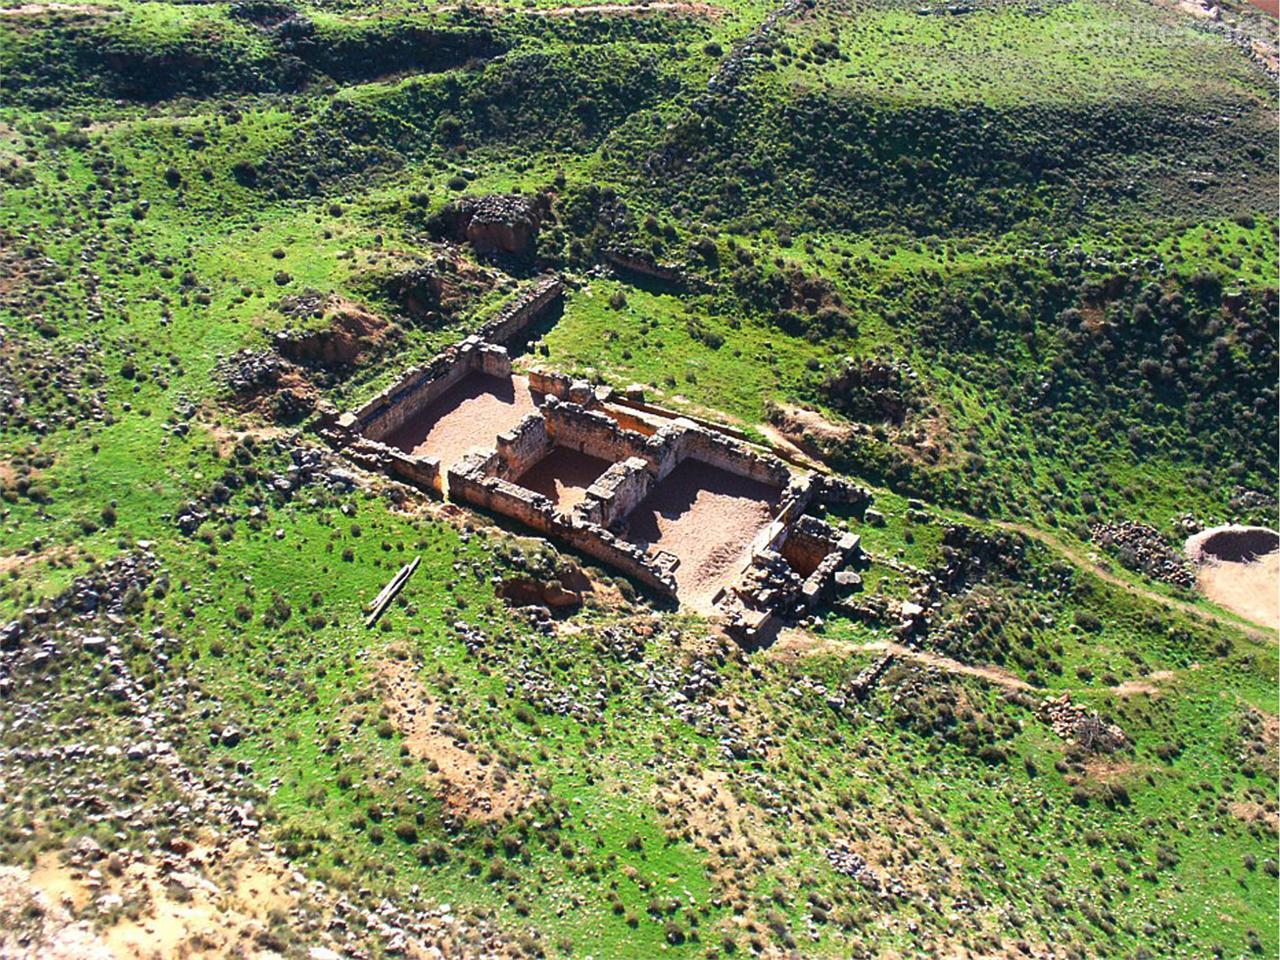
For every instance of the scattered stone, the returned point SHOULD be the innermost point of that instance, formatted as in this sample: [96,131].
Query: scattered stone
[1140,547]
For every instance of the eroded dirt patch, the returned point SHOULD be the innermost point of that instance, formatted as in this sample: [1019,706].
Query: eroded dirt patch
[36,9]
[342,331]
[194,900]
[470,787]
[1239,568]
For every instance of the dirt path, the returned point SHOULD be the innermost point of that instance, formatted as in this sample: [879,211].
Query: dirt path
[1081,559]
[1001,678]
[472,786]
[780,446]
[794,643]
[612,9]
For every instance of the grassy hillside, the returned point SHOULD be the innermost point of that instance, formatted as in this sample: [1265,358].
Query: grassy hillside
[1012,266]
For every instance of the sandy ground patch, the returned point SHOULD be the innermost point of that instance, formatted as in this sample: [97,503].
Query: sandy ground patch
[469,787]
[563,475]
[470,415]
[1150,685]
[707,517]
[1250,812]
[35,9]
[1239,568]
[212,901]
[1250,589]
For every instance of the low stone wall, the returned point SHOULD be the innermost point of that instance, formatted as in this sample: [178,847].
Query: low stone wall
[595,541]
[473,480]
[621,400]
[550,384]
[683,439]
[720,451]
[630,421]
[521,448]
[421,472]
[493,360]
[468,473]
[527,305]
[514,501]
[616,492]
[641,262]
[596,434]
[390,409]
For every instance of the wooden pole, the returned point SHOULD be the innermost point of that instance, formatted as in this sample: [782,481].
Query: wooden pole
[389,592]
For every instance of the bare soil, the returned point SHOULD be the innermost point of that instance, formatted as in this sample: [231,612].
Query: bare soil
[1090,562]
[35,9]
[350,333]
[470,415]
[1149,685]
[472,788]
[213,901]
[563,475]
[992,674]
[1239,568]
[708,518]
[1250,812]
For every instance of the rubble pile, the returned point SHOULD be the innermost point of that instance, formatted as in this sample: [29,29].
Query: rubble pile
[1140,547]
[309,467]
[251,371]
[105,591]
[1074,722]
[843,860]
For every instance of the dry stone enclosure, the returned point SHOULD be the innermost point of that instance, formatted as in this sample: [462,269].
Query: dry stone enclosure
[692,512]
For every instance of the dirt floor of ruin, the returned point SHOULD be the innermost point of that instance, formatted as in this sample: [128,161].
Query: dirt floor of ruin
[563,476]
[470,415]
[708,518]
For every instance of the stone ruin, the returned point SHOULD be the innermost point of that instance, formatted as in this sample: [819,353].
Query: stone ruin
[692,512]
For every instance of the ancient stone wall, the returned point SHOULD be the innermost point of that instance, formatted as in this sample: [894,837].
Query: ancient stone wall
[522,447]
[720,451]
[391,408]
[421,472]
[493,360]
[591,432]
[469,472]
[641,262]
[630,421]
[595,541]
[473,480]
[682,439]
[526,306]
[551,384]
[616,492]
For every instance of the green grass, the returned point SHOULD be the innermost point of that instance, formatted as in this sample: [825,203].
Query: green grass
[1031,843]
[1013,56]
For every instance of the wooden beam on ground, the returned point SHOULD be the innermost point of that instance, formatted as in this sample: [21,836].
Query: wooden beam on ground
[389,592]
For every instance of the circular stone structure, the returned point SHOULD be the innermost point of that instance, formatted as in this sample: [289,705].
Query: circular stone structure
[1239,567]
